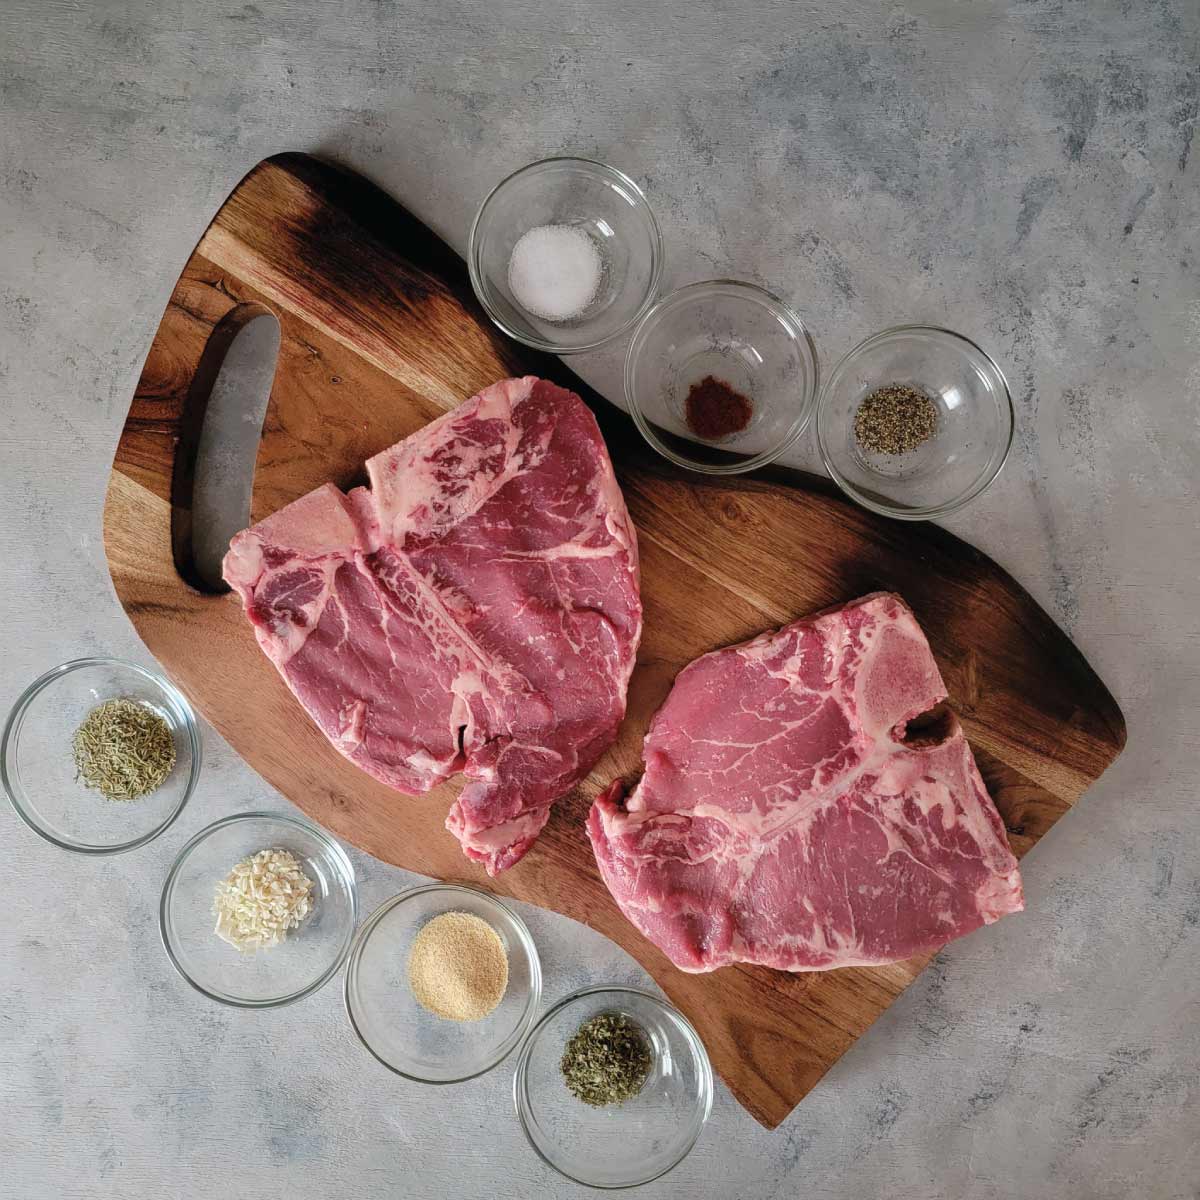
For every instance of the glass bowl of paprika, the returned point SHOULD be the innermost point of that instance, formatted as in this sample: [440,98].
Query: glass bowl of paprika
[721,377]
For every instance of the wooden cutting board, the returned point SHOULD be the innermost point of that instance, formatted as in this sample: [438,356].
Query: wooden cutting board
[380,333]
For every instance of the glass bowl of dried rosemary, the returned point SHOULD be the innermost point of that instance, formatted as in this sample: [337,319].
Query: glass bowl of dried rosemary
[613,1087]
[100,755]
[915,422]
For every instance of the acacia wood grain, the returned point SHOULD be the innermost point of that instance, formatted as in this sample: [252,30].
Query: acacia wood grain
[380,333]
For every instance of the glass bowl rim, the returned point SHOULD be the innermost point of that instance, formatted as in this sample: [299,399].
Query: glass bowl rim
[16,717]
[697,1045]
[933,511]
[782,311]
[343,865]
[528,1017]
[657,254]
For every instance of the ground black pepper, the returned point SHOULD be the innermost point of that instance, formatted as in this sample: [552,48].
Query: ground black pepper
[894,420]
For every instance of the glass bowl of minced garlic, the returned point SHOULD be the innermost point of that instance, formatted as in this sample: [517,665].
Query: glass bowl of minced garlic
[259,909]
[100,755]
[443,983]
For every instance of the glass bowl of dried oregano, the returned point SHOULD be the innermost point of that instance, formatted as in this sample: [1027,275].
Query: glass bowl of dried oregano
[915,422]
[100,755]
[613,1087]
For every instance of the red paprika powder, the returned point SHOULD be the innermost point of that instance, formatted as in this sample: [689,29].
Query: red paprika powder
[714,410]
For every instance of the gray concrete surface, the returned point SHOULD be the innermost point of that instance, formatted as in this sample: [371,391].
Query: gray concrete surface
[1023,172]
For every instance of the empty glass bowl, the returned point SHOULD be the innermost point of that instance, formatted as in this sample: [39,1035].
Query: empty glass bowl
[742,336]
[309,956]
[38,766]
[602,202]
[627,1144]
[972,436]
[407,1038]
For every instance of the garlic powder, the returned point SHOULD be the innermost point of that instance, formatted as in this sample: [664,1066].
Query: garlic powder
[262,898]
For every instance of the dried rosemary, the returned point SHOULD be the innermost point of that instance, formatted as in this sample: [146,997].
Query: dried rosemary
[895,419]
[123,749]
[607,1060]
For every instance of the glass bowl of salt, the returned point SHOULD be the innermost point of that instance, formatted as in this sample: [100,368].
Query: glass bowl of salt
[565,255]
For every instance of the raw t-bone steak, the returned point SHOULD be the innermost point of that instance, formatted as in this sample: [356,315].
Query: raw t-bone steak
[785,818]
[476,609]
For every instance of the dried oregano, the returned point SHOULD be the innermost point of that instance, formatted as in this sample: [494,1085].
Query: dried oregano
[607,1061]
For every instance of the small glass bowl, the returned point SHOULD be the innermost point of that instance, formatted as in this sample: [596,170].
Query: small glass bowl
[306,960]
[38,766]
[610,208]
[627,1144]
[974,423]
[407,1038]
[741,335]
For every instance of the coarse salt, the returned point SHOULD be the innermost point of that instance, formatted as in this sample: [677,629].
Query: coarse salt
[555,271]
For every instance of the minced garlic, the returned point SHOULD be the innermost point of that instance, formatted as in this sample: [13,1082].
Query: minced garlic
[263,897]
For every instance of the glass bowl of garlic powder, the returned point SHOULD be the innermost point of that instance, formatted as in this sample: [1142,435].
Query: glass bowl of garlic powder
[443,983]
[565,255]
[259,910]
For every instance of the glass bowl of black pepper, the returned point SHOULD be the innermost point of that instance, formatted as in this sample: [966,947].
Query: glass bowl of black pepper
[100,755]
[721,377]
[915,422]
[613,1087]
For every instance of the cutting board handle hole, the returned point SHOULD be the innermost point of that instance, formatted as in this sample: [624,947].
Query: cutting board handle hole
[219,435]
